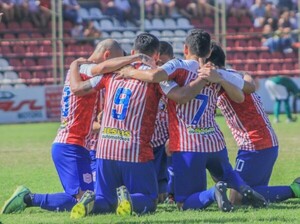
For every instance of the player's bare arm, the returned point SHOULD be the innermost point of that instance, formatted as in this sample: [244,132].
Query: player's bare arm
[79,87]
[186,93]
[249,85]
[117,63]
[211,75]
[153,75]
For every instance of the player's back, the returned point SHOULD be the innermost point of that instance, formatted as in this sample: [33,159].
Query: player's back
[128,119]
[77,113]
[248,122]
[192,126]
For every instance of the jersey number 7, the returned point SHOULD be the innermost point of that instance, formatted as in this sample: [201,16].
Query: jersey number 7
[198,115]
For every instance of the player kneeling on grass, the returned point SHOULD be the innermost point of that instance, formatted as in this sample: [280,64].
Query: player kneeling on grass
[257,141]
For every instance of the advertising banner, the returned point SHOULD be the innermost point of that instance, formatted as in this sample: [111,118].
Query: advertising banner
[22,105]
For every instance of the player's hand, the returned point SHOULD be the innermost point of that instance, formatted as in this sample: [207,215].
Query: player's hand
[210,74]
[124,73]
[145,59]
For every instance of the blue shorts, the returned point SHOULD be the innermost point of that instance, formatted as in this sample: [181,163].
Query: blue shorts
[160,163]
[255,167]
[137,177]
[72,163]
[190,171]
[93,166]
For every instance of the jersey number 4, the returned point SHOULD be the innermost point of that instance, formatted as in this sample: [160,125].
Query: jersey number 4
[121,102]
[198,115]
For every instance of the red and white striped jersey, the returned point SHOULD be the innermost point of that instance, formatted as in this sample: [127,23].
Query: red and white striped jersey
[161,133]
[128,118]
[93,137]
[192,126]
[77,112]
[248,122]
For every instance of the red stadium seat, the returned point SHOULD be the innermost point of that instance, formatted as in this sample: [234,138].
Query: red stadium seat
[5,50]
[232,21]
[264,57]
[25,75]
[240,67]
[251,56]
[15,62]
[45,63]
[29,62]
[19,50]
[251,67]
[239,56]
[9,36]
[13,26]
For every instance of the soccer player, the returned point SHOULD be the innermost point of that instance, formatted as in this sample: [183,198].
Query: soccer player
[257,141]
[69,150]
[124,154]
[161,134]
[195,139]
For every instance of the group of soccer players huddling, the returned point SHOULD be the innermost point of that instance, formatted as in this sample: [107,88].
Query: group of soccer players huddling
[140,129]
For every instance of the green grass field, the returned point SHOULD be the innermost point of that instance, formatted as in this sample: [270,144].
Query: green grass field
[25,158]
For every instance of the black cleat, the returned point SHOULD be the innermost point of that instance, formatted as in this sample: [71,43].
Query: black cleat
[251,197]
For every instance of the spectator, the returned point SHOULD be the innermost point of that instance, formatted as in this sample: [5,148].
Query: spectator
[204,9]
[86,33]
[238,8]
[258,12]
[271,15]
[187,8]
[37,15]
[285,4]
[71,11]
[281,41]
[109,8]
[125,7]
[1,14]
[21,10]
[7,7]
[287,19]
[280,88]
[91,33]
[166,7]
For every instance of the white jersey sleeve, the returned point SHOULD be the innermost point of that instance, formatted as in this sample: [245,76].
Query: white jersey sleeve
[87,69]
[95,80]
[233,77]
[166,86]
[171,66]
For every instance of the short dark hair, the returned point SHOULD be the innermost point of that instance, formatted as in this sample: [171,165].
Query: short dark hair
[217,55]
[165,48]
[198,41]
[146,43]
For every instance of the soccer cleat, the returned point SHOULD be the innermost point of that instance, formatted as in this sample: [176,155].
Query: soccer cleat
[296,187]
[16,202]
[170,200]
[84,206]
[253,198]
[124,202]
[221,197]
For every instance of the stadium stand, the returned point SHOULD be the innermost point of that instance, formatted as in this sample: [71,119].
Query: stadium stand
[26,50]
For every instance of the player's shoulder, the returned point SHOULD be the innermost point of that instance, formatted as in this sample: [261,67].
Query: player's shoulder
[177,63]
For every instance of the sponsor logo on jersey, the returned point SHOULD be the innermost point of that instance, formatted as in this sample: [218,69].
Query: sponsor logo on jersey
[202,131]
[116,134]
